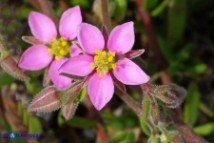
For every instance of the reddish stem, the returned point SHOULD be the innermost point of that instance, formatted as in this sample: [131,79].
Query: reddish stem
[46,9]
[106,22]
[146,19]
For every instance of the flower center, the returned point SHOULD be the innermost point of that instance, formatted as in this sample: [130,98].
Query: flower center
[59,47]
[103,61]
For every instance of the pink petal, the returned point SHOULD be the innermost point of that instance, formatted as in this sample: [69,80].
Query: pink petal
[90,38]
[129,73]
[42,27]
[121,39]
[100,90]
[69,23]
[74,50]
[35,57]
[59,81]
[78,66]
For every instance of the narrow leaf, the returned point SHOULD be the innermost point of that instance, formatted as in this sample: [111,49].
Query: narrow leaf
[155,111]
[146,106]
[46,78]
[192,105]
[10,66]
[32,40]
[69,109]
[145,127]
[205,130]
[134,53]
[46,101]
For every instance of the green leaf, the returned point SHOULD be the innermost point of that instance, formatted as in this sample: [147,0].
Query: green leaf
[192,105]
[80,122]
[145,127]
[146,106]
[35,126]
[25,117]
[123,137]
[6,124]
[149,4]
[120,10]
[5,79]
[82,3]
[176,20]
[160,8]
[205,130]
[83,94]
[119,123]
[154,139]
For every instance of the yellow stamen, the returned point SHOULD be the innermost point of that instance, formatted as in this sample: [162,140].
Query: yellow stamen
[113,54]
[50,51]
[101,74]
[64,43]
[62,52]
[114,66]
[110,59]
[95,58]
[97,51]
[62,39]
[106,70]
[98,69]
[92,64]
[57,58]
[104,53]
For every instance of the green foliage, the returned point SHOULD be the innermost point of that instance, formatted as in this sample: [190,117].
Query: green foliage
[32,122]
[176,20]
[192,105]
[120,9]
[34,125]
[206,129]
[86,4]
[80,122]
[5,79]
[145,127]
[123,137]
[121,122]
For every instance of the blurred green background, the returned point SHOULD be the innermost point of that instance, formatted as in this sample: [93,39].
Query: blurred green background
[185,34]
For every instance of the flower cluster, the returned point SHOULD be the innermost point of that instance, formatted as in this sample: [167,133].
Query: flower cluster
[102,61]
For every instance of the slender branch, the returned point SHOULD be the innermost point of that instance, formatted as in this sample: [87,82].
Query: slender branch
[46,9]
[130,102]
[186,131]
[146,19]
[106,21]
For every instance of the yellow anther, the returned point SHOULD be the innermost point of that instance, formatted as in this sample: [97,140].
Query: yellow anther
[62,39]
[92,64]
[114,66]
[50,51]
[106,70]
[101,74]
[104,53]
[98,69]
[97,51]
[62,52]
[64,43]
[95,58]
[57,58]
[113,54]
[110,59]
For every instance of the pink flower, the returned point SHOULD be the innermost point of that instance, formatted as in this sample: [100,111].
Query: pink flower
[104,62]
[39,56]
